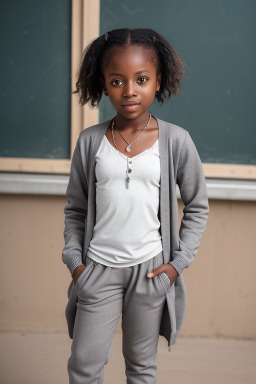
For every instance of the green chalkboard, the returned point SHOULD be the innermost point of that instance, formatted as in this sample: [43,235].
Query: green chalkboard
[35,84]
[217,41]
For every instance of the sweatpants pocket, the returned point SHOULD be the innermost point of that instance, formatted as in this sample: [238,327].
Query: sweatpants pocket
[165,280]
[162,277]
[82,277]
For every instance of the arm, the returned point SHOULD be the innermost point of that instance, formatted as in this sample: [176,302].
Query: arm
[75,214]
[192,185]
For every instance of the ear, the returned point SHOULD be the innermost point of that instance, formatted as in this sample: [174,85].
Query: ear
[158,81]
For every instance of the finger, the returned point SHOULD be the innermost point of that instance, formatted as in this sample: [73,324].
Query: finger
[155,272]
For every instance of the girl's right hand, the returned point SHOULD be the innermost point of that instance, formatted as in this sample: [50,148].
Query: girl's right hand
[77,272]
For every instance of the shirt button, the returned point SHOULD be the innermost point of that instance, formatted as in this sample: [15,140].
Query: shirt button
[130,161]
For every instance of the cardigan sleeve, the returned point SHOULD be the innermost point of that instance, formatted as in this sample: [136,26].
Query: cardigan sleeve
[193,191]
[75,213]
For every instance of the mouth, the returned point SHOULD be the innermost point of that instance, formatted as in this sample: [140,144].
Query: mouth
[130,103]
[131,106]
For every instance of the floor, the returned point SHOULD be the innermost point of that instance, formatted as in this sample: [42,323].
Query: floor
[41,359]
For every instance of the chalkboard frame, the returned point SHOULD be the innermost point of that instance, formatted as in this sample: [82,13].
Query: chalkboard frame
[86,27]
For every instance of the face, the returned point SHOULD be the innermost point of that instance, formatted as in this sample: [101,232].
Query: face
[130,80]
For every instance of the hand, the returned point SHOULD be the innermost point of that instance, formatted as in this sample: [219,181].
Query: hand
[168,269]
[77,272]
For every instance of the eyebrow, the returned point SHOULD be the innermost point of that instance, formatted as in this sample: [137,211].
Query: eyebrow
[136,73]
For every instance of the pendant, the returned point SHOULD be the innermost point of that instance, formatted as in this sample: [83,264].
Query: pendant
[128,148]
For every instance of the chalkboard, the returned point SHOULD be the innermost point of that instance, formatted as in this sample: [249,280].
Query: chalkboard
[217,41]
[35,78]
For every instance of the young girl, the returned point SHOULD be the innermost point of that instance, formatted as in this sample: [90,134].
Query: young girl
[121,242]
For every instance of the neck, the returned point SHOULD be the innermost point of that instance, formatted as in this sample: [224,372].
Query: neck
[132,125]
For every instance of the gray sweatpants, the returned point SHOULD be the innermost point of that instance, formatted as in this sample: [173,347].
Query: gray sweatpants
[104,294]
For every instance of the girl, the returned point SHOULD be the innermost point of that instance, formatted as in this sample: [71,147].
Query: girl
[121,220]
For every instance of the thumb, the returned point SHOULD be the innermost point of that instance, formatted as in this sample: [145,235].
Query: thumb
[153,273]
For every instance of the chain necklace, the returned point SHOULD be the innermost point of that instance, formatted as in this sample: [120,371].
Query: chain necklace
[129,162]
[128,147]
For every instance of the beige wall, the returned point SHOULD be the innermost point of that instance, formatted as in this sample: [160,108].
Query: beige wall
[33,279]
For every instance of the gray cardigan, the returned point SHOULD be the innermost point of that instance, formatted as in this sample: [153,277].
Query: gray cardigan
[179,164]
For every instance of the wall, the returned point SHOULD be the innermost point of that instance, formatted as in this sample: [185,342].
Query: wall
[220,282]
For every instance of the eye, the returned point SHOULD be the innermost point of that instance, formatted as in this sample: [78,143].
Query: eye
[142,80]
[116,82]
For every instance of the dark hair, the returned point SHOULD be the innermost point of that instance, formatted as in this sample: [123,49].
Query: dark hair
[90,74]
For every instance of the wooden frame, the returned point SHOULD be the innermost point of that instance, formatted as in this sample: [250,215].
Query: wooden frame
[85,27]
[230,171]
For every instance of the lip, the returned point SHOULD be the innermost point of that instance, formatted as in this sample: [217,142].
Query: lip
[130,103]
[132,106]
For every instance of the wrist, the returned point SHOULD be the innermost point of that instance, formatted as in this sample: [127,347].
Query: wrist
[78,270]
[178,272]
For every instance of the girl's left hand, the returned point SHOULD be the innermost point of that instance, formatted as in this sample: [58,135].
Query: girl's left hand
[167,268]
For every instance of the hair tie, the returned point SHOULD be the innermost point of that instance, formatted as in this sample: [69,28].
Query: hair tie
[106,36]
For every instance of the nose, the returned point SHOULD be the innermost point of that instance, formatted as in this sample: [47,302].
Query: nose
[129,89]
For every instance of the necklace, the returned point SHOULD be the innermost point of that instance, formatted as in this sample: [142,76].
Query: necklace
[128,147]
[129,161]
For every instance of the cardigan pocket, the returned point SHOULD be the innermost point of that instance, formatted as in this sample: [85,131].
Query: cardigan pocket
[70,310]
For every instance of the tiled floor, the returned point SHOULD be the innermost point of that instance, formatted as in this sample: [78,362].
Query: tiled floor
[42,358]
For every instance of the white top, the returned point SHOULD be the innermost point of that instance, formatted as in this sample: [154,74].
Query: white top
[126,231]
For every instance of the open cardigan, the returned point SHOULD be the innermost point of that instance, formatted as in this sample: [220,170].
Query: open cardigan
[180,165]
